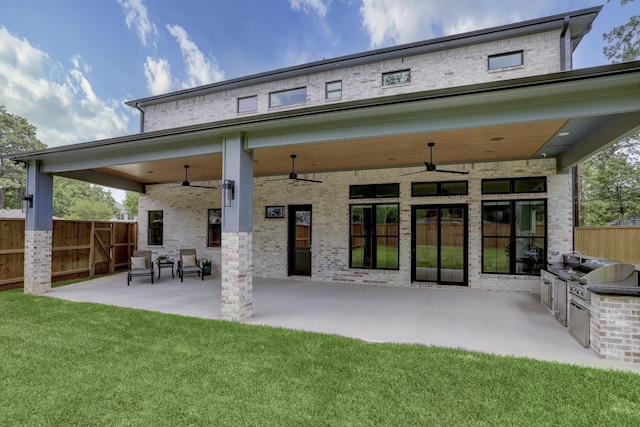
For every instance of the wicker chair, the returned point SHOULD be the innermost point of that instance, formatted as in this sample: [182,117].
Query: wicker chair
[140,266]
[189,264]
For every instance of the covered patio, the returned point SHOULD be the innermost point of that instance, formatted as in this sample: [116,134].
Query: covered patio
[503,323]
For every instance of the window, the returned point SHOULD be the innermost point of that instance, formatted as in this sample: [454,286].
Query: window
[333,90]
[396,78]
[214,231]
[374,236]
[445,188]
[504,60]
[371,191]
[514,236]
[288,97]
[514,185]
[155,228]
[247,104]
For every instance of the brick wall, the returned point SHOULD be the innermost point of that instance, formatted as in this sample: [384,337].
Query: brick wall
[615,327]
[185,222]
[37,255]
[437,70]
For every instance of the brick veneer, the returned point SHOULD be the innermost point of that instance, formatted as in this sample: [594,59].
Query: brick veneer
[615,327]
[37,255]
[436,70]
[237,279]
[185,220]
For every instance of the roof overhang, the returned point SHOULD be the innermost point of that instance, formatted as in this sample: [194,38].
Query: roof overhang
[508,120]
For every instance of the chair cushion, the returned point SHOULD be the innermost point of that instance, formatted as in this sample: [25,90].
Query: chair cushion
[188,260]
[138,263]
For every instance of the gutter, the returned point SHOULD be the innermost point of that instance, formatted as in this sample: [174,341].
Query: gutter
[563,44]
[137,106]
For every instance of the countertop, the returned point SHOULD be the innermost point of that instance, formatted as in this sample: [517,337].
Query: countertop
[562,271]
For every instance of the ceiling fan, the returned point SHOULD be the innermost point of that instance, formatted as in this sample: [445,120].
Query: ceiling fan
[187,183]
[293,175]
[431,167]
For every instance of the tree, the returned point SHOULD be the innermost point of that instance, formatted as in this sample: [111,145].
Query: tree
[609,184]
[623,41]
[71,197]
[131,203]
[16,135]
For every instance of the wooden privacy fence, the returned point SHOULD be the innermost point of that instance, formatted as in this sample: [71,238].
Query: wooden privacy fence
[79,249]
[621,243]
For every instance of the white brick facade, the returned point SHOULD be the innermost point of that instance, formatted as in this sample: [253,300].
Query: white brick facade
[185,221]
[37,260]
[437,70]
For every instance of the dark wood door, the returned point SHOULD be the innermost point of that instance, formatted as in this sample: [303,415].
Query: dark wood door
[300,240]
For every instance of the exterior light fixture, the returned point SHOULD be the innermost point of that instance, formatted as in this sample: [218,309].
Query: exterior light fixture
[564,134]
[27,202]
[228,187]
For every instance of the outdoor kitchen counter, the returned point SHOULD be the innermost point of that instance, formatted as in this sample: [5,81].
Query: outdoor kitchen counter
[620,292]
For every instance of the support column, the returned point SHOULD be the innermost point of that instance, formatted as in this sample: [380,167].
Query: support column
[38,231]
[237,228]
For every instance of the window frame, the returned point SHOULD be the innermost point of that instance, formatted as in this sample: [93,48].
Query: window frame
[240,110]
[328,92]
[440,190]
[155,225]
[513,183]
[519,53]
[373,236]
[513,236]
[214,227]
[374,191]
[272,96]
[387,81]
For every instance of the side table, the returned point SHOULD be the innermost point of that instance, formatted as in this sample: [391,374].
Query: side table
[165,264]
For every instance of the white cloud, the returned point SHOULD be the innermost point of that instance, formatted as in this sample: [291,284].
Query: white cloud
[59,101]
[391,22]
[200,69]
[158,75]
[308,6]
[136,16]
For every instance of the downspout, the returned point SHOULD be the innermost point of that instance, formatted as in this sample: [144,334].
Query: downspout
[563,44]
[141,117]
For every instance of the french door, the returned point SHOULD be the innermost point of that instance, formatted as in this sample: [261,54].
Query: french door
[439,244]
[300,240]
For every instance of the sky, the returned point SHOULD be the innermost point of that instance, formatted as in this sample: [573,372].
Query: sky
[68,66]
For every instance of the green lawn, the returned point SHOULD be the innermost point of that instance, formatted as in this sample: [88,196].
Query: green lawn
[80,364]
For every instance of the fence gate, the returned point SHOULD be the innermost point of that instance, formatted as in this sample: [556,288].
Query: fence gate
[103,239]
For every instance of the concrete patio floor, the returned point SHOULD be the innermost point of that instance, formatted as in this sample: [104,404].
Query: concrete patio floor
[503,323]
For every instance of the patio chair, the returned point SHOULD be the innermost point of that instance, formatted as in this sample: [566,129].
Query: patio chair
[140,265]
[189,264]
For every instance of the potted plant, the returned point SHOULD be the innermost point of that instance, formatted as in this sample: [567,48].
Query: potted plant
[206,267]
[162,259]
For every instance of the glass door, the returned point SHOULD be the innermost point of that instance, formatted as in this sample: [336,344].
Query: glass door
[300,240]
[439,244]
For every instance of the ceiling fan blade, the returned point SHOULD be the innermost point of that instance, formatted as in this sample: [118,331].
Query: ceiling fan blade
[413,173]
[202,186]
[308,180]
[449,171]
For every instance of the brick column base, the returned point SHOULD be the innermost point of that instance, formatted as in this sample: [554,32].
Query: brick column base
[237,280]
[37,261]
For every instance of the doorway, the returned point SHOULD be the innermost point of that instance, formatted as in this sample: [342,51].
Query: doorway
[300,240]
[439,244]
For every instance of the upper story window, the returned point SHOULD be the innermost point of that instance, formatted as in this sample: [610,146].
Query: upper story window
[396,78]
[504,60]
[288,97]
[536,184]
[333,90]
[371,191]
[247,104]
[443,188]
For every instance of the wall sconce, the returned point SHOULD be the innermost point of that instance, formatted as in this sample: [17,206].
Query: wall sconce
[228,187]
[27,202]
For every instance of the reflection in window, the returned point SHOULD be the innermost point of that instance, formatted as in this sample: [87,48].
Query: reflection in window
[247,104]
[444,188]
[374,236]
[288,97]
[504,60]
[396,78]
[514,236]
[214,224]
[154,235]
[333,90]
